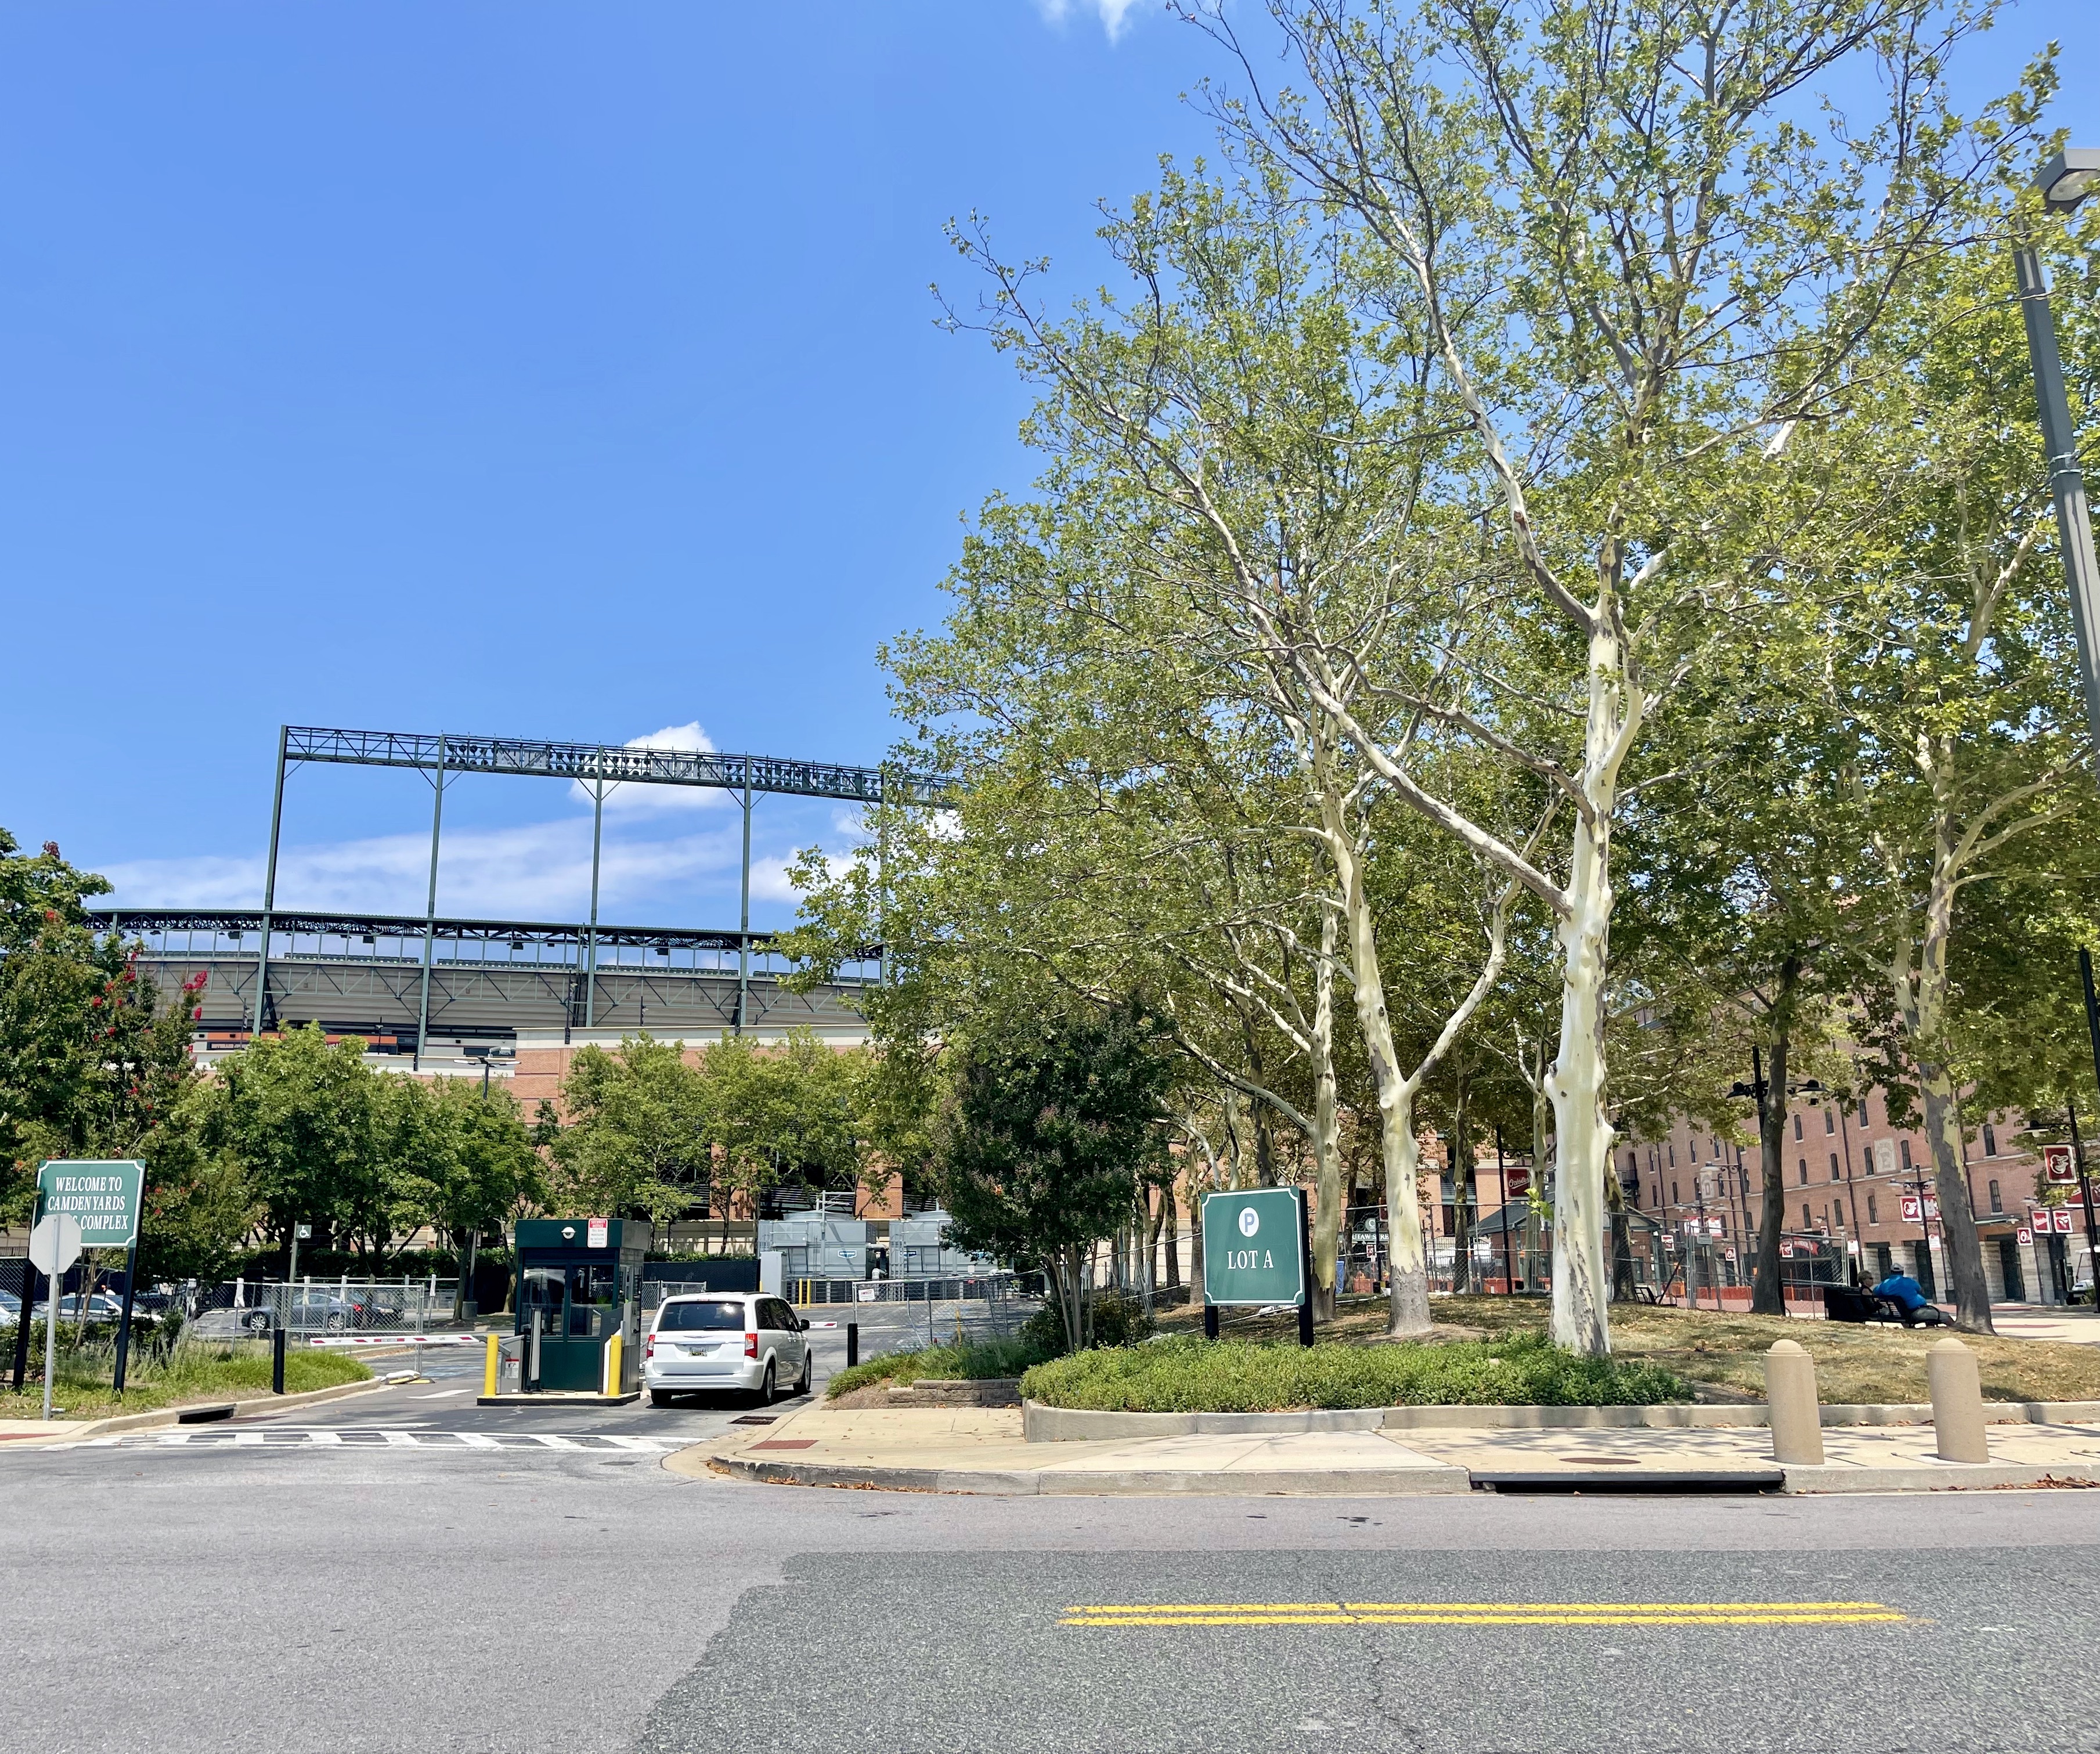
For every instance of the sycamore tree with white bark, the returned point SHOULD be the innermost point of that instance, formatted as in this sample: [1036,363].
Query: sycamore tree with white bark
[1266,436]
[1638,269]
[1947,660]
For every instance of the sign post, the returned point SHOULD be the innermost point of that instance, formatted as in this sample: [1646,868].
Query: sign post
[102,1197]
[1257,1252]
[54,1246]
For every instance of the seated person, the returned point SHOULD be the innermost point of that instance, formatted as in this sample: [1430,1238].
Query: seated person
[1907,1294]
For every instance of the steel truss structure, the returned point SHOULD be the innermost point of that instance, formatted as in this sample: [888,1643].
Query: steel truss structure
[443,756]
[484,979]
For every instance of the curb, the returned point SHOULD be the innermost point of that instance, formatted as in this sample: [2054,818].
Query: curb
[1064,1424]
[1357,1483]
[1121,1482]
[1945,1477]
[168,1416]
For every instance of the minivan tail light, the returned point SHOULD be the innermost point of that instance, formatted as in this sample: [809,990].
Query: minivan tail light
[751,1346]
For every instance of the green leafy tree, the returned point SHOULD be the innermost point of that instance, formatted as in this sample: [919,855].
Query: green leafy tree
[636,1142]
[94,1062]
[304,1121]
[1046,1138]
[1637,276]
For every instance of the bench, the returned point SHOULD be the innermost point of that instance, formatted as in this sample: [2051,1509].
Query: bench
[1843,1303]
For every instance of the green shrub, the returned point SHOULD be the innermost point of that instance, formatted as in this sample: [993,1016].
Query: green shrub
[977,1362]
[1191,1375]
[1118,1320]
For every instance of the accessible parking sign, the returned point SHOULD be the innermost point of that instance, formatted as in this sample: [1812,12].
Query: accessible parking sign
[1254,1248]
[102,1196]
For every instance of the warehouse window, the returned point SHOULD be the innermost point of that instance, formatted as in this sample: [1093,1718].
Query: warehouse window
[1829,1120]
[1804,1172]
[1990,1140]
[1834,1175]
[1872,1217]
[1797,1126]
[1997,1205]
[1903,1145]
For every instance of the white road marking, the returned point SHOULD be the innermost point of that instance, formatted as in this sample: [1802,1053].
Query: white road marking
[381,1440]
[443,1395]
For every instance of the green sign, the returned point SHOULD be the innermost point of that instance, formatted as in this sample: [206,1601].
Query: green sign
[103,1195]
[1254,1247]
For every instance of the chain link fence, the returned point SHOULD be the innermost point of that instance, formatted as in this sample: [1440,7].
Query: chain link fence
[321,1307]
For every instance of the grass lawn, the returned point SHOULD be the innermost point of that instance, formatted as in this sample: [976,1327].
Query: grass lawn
[1725,1353]
[203,1372]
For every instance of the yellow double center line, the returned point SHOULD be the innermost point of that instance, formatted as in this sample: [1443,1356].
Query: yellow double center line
[1481,1614]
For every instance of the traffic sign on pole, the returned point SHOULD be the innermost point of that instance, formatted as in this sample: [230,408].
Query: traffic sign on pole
[54,1246]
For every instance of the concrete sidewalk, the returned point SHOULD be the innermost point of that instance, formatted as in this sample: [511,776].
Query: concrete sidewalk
[982,1450]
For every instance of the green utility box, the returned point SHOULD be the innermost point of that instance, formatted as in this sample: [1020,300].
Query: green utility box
[579,1285]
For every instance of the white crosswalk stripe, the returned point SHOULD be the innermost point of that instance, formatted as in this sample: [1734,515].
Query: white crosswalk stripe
[382,1440]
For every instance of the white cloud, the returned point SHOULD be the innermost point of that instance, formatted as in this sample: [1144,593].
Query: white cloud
[633,800]
[538,870]
[1115,13]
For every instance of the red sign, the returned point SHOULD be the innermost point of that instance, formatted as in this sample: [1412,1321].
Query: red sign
[2057,1169]
[1910,1208]
[2063,1221]
[1786,1247]
[595,1233]
[1516,1182]
[2024,1235]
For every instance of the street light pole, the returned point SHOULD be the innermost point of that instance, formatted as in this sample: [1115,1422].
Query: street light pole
[2065,181]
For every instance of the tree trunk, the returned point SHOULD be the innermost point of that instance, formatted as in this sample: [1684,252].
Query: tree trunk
[1326,1147]
[1582,1136]
[1462,1187]
[1957,1219]
[1767,1291]
[1921,1000]
[1196,1241]
[1173,1224]
[1399,1150]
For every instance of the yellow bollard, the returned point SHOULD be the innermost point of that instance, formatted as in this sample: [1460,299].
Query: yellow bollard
[489,1368]
[612,1364]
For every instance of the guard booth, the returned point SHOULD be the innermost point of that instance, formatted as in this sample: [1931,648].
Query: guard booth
[579,1289]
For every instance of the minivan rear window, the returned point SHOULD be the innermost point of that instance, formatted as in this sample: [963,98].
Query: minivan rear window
[675,1316]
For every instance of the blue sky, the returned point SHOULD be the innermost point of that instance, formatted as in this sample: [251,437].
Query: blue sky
[540,369]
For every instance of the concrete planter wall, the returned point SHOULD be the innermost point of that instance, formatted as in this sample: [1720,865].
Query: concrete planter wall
[1064,1425]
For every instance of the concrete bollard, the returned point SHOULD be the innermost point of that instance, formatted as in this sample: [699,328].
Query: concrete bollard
[1796,1415]
[1958,1402]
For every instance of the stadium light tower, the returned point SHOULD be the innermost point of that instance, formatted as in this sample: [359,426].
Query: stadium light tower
[2065,181]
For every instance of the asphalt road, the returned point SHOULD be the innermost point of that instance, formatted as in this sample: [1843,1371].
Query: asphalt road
[431,1595]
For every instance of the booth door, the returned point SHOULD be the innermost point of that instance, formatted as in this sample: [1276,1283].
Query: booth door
[592,1317]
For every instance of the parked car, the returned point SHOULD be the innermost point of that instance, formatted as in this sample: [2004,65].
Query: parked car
[700,1343]
[101,1307]
[303,1308]
[11,1309]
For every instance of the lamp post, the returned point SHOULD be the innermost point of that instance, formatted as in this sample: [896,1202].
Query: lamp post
[2065,181]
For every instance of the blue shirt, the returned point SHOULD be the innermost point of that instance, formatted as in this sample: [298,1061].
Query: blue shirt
[1906,1291]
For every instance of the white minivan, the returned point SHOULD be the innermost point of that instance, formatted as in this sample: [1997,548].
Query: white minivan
[710,1341]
